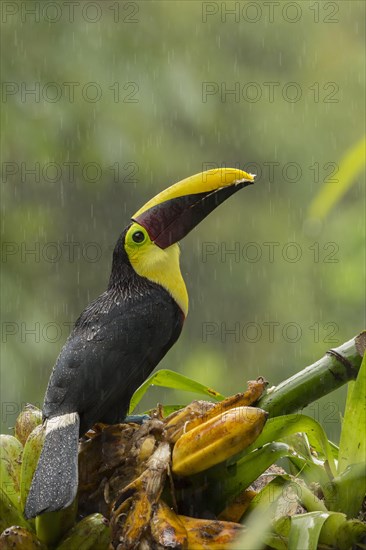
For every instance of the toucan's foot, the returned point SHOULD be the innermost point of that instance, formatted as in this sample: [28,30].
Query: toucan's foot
[137,418]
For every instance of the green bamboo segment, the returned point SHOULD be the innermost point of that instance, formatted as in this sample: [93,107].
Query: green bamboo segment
[337,367]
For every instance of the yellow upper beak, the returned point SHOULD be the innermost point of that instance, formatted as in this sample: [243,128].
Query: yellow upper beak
[204,182]
[171,214]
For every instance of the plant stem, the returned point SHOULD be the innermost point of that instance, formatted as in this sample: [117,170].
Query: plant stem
[337,367]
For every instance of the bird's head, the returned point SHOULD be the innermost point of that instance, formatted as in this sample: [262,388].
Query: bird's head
[151,240]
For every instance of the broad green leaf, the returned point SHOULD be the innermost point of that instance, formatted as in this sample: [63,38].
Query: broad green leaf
[281,426]
[300,444]
[349,534]
[10,514]
[335,449]
[257,526]
[305,530]
[274,490]
[281,532]
[276,542]
[352,446]
[331,193]
[350,490]
[306,497]
[311,472]
[170,379]
[323,528]
[51,526]
[328,534]
[225,482]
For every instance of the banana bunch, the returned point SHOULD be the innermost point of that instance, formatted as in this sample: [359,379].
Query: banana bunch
[189,441]
[18,460]
[132,478]
[199,412]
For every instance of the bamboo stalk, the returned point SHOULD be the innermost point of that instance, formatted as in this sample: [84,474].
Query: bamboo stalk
[337,367]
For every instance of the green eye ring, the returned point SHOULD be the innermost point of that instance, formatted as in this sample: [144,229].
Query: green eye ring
[138,237]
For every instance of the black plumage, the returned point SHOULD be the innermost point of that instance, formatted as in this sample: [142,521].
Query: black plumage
[115,344]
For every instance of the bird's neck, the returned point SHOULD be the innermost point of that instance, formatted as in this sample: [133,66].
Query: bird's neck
[162,268]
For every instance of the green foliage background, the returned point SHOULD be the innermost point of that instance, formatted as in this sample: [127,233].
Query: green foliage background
[171,132]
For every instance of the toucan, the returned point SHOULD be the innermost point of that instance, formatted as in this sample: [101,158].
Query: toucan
[122,335]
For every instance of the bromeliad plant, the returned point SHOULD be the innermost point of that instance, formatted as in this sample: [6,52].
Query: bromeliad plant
[204,475]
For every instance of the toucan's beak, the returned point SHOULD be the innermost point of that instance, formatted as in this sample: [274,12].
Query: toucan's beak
[173,213]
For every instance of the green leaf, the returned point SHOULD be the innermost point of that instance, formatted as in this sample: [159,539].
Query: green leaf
[10,514]
[225,482]
[315,530]
[51,526]
[281,426]
[350,485]
[349,490]
[258,521]
[352,445]
[170,379]
[329,532]
[272,491]
[304,495]
[305,530]
[331,193]
[349,534]
[257,526]
[311,472]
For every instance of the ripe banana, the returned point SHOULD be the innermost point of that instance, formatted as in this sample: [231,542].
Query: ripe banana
[178,422]
[167,529]
[217,439]
[211,534]
[199,412]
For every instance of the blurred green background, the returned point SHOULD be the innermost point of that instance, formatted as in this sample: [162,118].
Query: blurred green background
[105,104]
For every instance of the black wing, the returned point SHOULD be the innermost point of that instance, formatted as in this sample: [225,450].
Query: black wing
[114,346]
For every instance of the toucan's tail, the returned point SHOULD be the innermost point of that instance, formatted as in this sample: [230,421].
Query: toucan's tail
[55,480]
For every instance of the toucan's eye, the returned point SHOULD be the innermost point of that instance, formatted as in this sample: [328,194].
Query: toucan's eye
[138,237]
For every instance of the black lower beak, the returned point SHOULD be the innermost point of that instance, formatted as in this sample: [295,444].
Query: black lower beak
[168,222]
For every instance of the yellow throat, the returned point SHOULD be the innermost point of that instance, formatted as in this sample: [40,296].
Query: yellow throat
[157,265]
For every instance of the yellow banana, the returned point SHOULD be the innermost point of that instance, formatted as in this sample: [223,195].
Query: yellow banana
[217,439]
[167,529]
[91,533]
[136,522]
[199,412]
[18,537]
[10,460]
[28,419]
[209,534]
[177,422]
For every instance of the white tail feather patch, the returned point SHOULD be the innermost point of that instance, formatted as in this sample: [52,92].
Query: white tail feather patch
[58,422]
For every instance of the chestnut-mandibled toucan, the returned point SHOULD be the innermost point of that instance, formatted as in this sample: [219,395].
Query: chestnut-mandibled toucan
[122,335]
